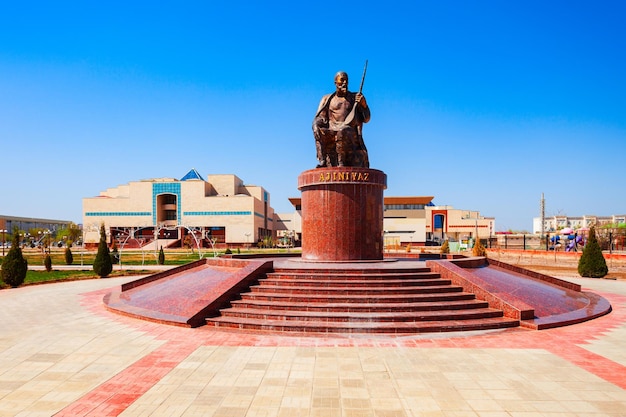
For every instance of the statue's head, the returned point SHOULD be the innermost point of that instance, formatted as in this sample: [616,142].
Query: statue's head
[341,82]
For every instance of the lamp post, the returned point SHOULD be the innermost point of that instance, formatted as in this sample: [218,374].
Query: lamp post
[24,240]
[476,229]
[47,232]
[469,217]
[248,239]
[120,243]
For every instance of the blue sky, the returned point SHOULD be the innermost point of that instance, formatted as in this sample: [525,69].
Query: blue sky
[483,105]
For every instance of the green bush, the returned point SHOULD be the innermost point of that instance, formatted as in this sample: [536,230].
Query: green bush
[102,265]
[161,259]
[47,263]
[69,258]
[592,263]
[445,247]
[479,249]
[14,265]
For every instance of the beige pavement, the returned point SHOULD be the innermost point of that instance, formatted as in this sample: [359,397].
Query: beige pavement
[62,353]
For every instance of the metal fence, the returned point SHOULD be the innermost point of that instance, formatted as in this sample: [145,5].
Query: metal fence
[609,239]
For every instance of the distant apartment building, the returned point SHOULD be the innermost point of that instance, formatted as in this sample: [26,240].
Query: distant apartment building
[555,223]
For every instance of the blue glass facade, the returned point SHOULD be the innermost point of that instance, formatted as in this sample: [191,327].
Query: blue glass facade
[217,213]
[165,188]
[117,213]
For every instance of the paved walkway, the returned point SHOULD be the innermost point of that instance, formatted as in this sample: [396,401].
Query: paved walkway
[62,353]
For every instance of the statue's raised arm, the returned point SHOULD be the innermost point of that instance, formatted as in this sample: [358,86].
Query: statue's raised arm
[338,126]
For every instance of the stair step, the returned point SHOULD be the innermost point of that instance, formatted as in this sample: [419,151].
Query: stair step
[393,282]
[358,317]
[353,301]
[470,303]
[351,298]
[334,275]
[359,272]
[362,327]
[361,290]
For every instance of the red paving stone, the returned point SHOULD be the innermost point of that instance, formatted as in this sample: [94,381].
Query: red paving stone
[114,396]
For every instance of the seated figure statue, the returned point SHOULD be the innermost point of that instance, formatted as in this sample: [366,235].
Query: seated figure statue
[337,127]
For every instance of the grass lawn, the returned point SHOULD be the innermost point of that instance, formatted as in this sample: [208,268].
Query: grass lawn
[135,258]
[38,277]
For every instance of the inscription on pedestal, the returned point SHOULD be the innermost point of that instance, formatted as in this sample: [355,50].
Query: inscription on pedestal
[344,176]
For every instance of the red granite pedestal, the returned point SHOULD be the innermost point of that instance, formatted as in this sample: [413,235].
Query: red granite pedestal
[342,214]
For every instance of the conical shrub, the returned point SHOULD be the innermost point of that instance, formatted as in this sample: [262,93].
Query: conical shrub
[592,263]
[102,264]
[479,249]
[445,247]
[14,265]
[69,257]
[161,259]
[47,263]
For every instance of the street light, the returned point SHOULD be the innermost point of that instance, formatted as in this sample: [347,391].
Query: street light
[120,242]
[24,238]
[476,228]
[49,233]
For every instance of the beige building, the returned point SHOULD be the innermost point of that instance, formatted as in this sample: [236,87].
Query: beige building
[448,223]
[224,211]
[220,210]
[410,220]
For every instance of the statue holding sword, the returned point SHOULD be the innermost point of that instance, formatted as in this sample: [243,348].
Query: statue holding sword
[338,123]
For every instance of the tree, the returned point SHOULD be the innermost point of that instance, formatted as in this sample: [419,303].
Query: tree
[102,264]
[188,242]
[445,247]
[75,233]
[69,258]
[47,263]
[14,265]
[592,263]
[479,249]
[161,259]
[72,233]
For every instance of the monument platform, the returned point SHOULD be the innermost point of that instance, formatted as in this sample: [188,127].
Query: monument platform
[405,296]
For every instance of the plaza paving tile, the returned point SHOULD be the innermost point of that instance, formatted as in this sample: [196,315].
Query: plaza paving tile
[63,353]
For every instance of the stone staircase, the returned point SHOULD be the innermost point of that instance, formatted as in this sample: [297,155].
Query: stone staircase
[359,301]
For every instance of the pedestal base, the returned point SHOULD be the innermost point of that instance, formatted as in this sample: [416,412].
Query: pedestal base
[342,214]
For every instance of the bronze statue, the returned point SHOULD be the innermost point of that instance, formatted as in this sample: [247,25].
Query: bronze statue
[337,126]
